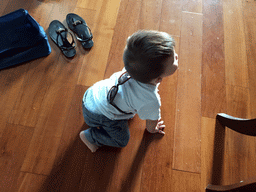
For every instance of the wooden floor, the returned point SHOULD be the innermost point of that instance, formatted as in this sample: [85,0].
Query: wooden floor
[40,101]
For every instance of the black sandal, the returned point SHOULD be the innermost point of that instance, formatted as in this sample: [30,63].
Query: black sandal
[58,33]
[82,31]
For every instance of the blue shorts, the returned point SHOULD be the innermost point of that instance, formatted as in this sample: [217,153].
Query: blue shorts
[104,131]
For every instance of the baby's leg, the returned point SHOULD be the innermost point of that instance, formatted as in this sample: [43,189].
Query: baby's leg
[113,133]
[104,131]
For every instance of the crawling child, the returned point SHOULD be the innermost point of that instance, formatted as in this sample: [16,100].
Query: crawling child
[148,57]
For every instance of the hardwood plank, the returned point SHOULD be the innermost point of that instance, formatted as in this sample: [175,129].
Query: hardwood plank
[41,12]
[71,153]
[238,101]
[39,78]
[60,9]
[249,8]
[191,180]
[89,4]
[159,154]
[251,157]
[98,170]
[66,173]
[236,68]
[3,5]
[13,145]
[75,121]
[171,20]
[126,25]
[157,170]
[207,151]
[46,139]
[103,32]
[188,108]
[14,5]
[52,118]
[213,60]
[28,182]
[150,15]
[12,80]
[192,6]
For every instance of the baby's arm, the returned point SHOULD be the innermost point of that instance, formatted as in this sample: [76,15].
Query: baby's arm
[155,126]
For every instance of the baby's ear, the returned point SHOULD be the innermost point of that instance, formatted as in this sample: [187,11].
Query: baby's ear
[159,80]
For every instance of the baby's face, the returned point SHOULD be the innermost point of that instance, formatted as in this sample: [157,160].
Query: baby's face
[172,66]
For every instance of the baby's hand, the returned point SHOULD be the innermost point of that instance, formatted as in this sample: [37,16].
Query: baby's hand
[158,128]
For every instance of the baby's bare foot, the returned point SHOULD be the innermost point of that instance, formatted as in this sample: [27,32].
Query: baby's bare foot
[91,146]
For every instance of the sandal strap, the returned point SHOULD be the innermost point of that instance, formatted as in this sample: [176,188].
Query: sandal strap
[79,22]
[67,48]
[60,30]
[64,40]
[85,40]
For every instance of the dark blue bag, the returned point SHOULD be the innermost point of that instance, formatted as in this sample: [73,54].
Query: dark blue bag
[21,39]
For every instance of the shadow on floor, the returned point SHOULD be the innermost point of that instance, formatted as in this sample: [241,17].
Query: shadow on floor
[81,170]
[130,179]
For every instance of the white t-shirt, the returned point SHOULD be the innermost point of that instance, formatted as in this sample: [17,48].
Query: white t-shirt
[132,96]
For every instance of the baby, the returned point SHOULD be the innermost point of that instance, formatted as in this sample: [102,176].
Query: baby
[148,57]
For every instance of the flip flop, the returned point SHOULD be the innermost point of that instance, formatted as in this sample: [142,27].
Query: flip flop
[82,31]
[58,33]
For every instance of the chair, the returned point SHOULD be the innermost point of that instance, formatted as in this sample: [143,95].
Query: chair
[243,126]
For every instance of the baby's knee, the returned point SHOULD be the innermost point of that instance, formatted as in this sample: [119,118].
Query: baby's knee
[124,141]
[123,144]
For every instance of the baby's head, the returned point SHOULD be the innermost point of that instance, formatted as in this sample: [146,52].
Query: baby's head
[149,56]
